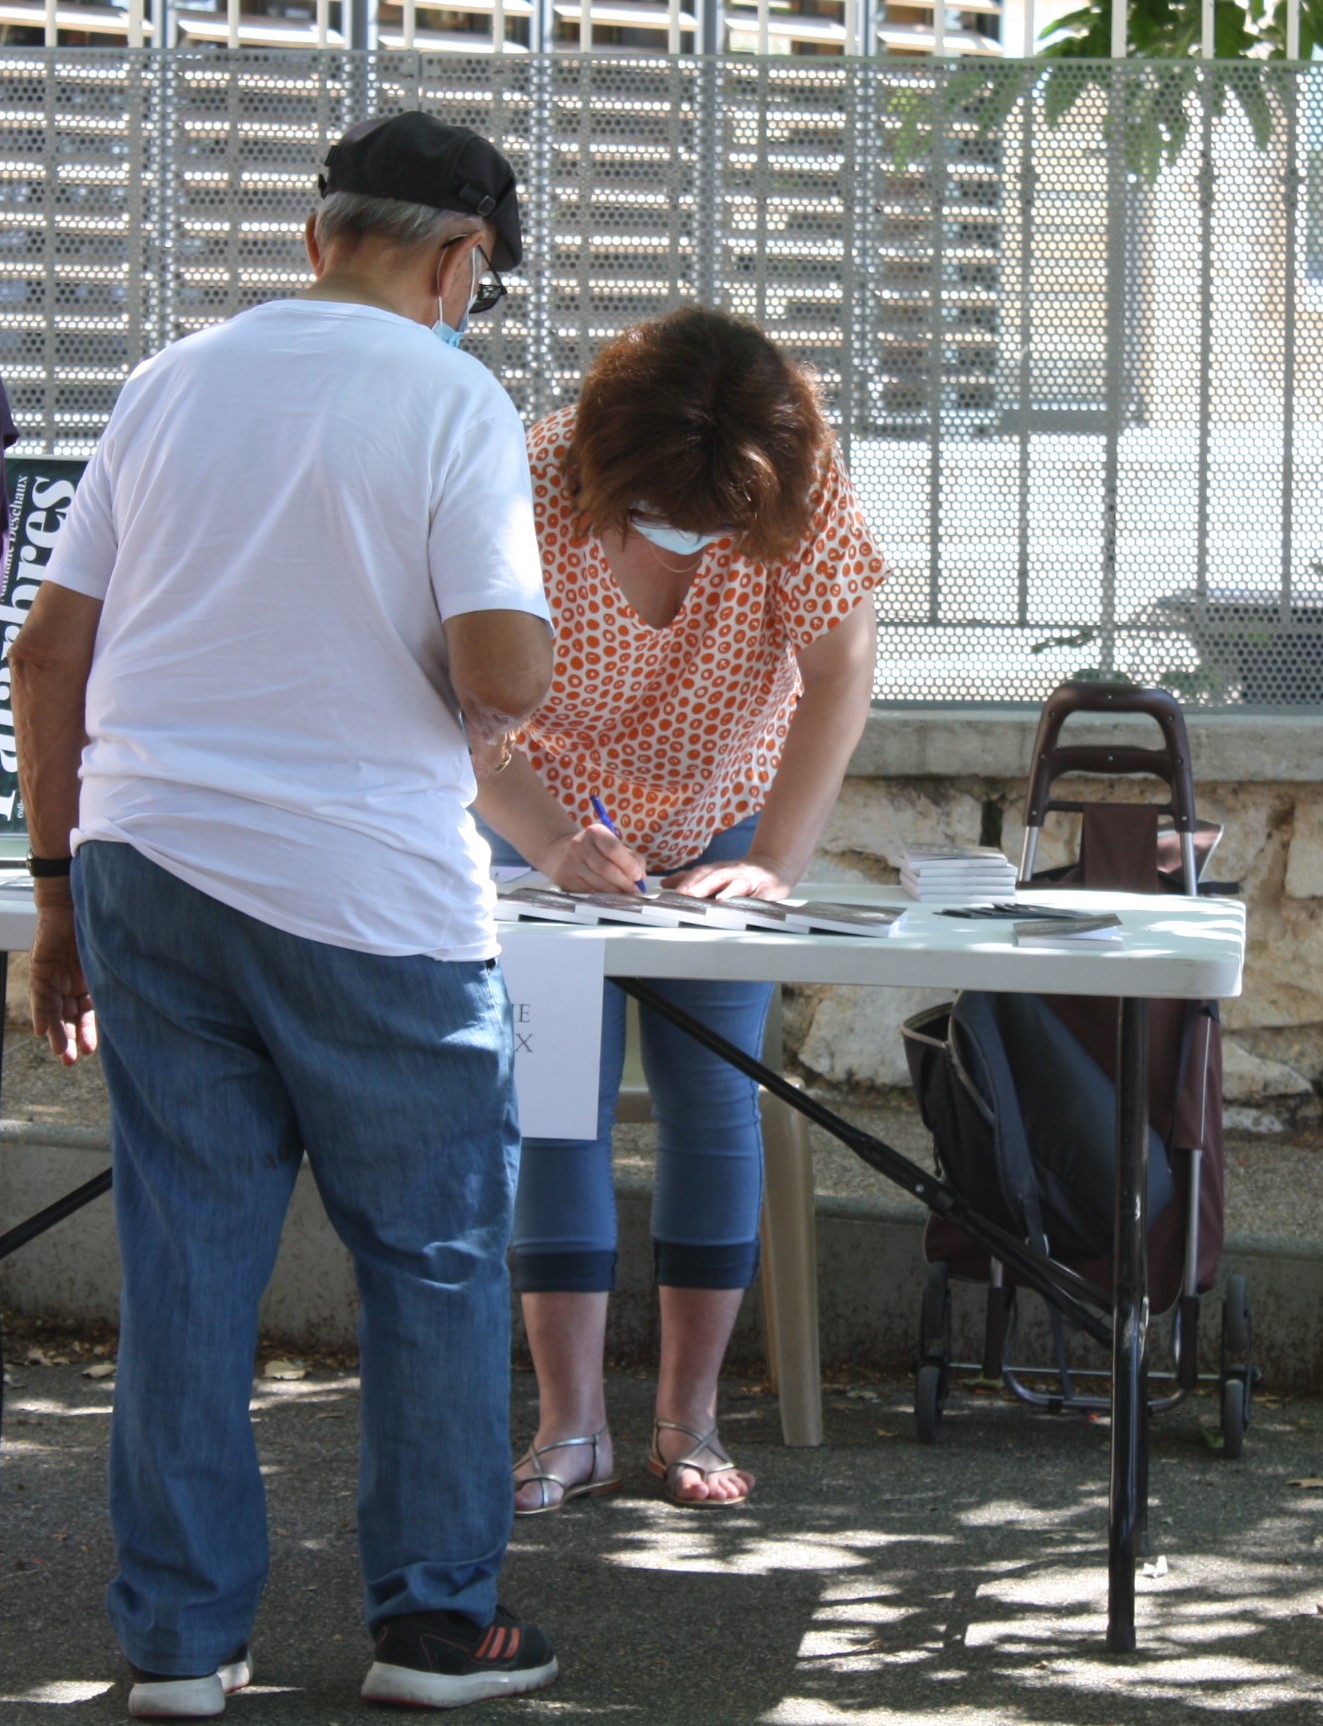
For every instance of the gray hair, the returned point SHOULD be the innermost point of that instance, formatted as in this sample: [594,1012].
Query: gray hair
[390,218]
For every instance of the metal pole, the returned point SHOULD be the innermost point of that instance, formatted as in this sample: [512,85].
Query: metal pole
[1291,93]
[1129,1326]
[1203,469]
[1115,381]
[937,194]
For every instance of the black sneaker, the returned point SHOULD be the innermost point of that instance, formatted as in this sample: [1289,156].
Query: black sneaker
[157,1696]
[443,1660]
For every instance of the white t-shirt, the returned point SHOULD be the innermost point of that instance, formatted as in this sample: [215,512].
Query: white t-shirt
[279,518]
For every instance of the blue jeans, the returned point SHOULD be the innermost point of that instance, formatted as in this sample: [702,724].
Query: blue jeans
[228,1047]
[708,1190]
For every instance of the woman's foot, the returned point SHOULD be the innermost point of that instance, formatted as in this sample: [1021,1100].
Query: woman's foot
[550,1475]
[694,1468]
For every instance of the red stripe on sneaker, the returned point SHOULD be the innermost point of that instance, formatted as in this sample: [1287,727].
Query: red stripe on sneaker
[499,1643]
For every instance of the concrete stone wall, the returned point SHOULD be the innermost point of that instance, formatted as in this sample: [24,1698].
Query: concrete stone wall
[933,775]
[944,775]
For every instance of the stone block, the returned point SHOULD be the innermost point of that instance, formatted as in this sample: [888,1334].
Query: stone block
[879,818]
[853,1034]
[1283,966]
[1298,1046]
[1304,857]
[1249,1078]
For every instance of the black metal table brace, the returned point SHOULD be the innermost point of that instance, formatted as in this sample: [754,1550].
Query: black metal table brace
[1082,1302]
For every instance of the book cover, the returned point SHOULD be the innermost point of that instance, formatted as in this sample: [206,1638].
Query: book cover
[1066,931]
[702,913]
[543,904]
[758,913]
[914,856]
[637,908]
[821,917]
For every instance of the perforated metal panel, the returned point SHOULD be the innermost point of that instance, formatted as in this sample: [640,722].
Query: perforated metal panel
[1067,318]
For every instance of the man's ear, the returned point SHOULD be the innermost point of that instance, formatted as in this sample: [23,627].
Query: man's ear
[315,255]
[453,263]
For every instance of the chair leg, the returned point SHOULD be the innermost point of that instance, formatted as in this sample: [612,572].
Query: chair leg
[790,1271]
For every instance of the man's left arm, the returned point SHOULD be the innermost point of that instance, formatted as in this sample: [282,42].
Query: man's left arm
[49,663]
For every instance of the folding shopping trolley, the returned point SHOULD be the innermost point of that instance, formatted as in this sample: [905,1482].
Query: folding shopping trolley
[1018,1093]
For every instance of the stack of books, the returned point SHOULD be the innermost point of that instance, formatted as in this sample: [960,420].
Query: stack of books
[664,908]
[956,872]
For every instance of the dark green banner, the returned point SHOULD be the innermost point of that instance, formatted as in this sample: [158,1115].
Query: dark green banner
[40,488]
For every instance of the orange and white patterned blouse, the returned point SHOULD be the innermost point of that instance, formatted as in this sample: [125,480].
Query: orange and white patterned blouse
[679,730]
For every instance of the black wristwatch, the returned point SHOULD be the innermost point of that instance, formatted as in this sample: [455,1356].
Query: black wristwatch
[42,867]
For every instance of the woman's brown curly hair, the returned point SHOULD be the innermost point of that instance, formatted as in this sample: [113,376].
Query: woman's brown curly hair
[702,419]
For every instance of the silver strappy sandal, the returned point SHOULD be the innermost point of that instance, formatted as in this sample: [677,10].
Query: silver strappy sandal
[592,1487]
[668,1472]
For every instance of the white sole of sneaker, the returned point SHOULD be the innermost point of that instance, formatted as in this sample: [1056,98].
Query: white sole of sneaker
[407,1688]
[190,1698]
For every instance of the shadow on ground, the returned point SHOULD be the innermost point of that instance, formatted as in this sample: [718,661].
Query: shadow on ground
[871,1581]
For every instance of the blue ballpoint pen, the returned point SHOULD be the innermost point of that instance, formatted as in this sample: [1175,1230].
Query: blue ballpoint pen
[599,810]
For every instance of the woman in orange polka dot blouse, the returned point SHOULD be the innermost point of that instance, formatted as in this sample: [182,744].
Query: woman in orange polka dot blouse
[709,573]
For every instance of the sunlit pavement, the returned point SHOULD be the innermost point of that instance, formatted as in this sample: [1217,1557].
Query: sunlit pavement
[871,1581]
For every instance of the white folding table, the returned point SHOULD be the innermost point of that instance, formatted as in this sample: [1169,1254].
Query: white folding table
[1172,947]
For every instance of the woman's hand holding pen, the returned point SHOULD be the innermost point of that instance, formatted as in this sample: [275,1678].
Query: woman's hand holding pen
[592,860]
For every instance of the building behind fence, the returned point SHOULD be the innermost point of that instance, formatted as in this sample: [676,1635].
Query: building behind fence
[1066,316]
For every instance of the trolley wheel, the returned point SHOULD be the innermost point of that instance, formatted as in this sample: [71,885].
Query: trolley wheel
[929,1396]
[1238,1371]
[1236,1326]
[932,1363]
[1235,1417]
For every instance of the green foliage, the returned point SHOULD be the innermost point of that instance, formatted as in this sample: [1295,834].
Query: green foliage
[1167,35]
[985,91]
[1156,111]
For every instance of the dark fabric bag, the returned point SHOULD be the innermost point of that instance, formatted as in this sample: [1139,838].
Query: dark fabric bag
[1122,849]
[1053,1116]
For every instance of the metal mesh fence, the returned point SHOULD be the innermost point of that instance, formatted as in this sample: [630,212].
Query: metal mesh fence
[1067,317]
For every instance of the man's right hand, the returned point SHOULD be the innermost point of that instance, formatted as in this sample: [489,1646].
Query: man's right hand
[62,1009]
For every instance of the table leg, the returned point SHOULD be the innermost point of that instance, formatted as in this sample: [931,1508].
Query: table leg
[790,1271]
[1129,1479]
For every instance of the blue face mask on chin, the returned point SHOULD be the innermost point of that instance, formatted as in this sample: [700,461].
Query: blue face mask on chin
[452,337]
[676,540]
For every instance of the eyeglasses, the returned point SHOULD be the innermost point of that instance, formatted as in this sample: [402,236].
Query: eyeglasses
[491,289]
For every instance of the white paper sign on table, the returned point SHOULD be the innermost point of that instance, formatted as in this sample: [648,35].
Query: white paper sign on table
[555,988]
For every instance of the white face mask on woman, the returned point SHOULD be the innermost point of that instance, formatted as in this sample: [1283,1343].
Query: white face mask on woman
[673,539]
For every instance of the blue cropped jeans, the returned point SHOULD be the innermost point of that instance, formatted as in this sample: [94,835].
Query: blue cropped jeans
[707,1196]
[228,1047]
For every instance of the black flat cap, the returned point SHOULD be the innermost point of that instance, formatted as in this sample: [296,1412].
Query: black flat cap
[420,160]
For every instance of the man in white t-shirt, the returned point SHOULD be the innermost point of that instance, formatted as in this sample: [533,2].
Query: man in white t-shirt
[294,612]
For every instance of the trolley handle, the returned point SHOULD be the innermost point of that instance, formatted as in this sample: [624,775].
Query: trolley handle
[1053,760]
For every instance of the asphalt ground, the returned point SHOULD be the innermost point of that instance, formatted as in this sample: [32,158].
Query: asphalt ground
[873,1580]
